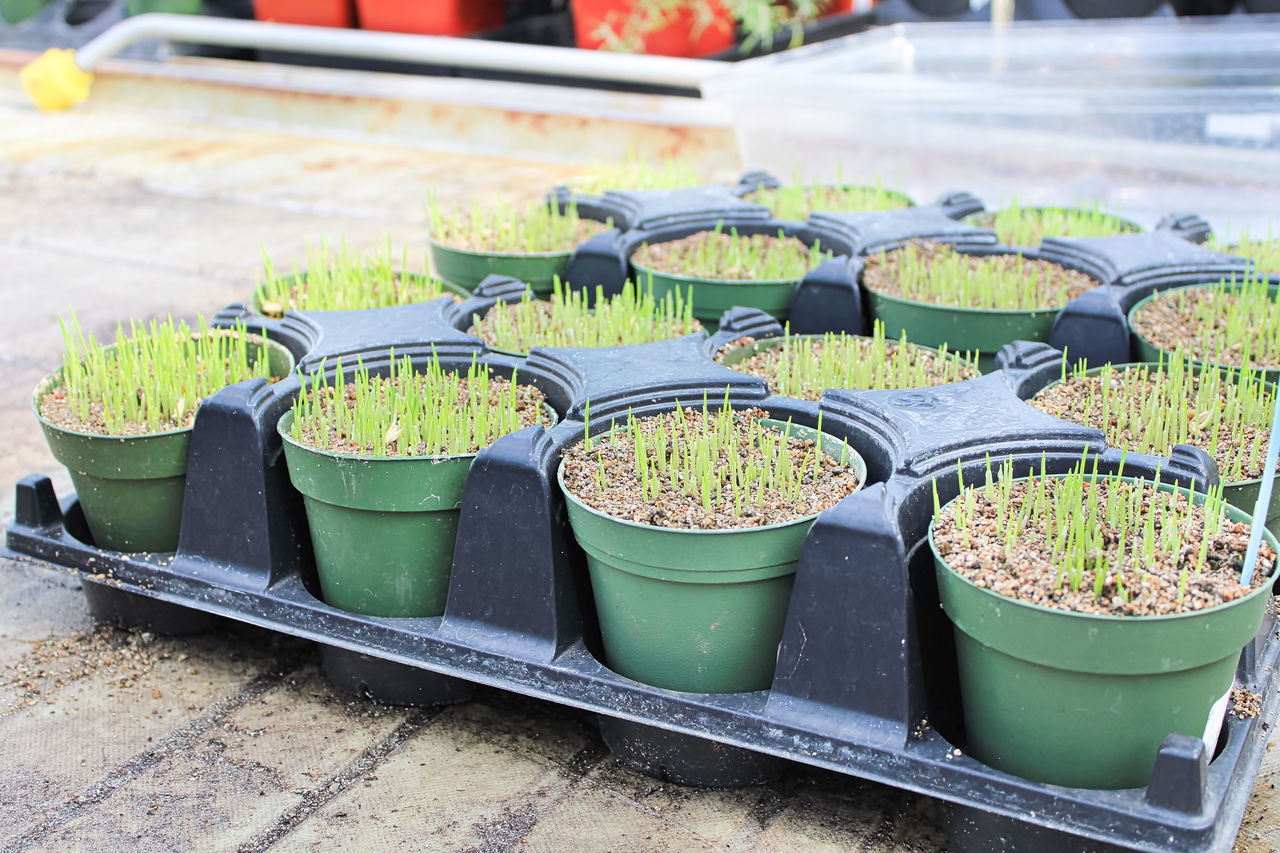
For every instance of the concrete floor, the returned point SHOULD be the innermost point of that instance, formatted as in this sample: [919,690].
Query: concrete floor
[232,740]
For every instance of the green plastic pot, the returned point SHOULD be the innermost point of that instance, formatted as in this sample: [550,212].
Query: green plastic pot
[383,528]
[700,611]
[130,487]
[1085,700]
[1145,350]
[15,11]
[980,330]
[257,301]
[465,269]
[712,297]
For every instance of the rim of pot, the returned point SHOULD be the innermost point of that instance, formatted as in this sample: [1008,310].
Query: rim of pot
[1265,588]
[49,382]
[719,531]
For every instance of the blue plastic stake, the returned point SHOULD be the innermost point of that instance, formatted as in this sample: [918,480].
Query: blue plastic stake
[1263,506]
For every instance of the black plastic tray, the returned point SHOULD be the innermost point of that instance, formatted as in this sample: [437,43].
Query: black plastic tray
[865,681]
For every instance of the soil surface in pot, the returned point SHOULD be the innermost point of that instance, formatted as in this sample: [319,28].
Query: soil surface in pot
[1077,400]
[518,327]
[1196,319]
[731,257]
[624,495]
[368,292]
[1047,285]
[529,403]
[483,236]
[1027,226]
[797,203]
[1025,568]
[57,408]
[890,365]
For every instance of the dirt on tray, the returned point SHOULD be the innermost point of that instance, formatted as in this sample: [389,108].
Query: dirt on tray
[623,496]
[883,272]
[1025,570]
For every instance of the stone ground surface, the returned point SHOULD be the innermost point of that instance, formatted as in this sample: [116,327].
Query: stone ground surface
[232,740]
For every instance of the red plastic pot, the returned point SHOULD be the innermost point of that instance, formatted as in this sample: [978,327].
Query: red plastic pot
[431,17]
[313,13]
[678,38]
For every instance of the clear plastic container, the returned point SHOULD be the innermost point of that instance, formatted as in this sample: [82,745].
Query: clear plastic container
[1143,116]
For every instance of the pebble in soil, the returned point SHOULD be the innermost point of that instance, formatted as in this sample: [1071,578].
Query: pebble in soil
[607,478]
[731,257]
[804,367]
[1023,566]
[936,274]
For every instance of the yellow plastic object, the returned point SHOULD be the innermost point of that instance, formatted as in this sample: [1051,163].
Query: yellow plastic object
[54,82]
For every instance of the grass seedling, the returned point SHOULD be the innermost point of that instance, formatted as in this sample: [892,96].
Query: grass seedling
[806,366]
[1232,324]
[1263,251]
[941,276]
[504,228]
[412,411]
[567,320]
[634,172]
[797,200]
[1083,532]
[343,280]
[154,377]
[733,257]
[1149,409]
[1017,225]
[718,459]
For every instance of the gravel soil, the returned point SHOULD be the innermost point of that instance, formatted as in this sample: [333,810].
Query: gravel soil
[772,362]
[1169,320]
[623,497]
[684,256]
[1068,400]
[1027,572]
[530,404]
[883,274]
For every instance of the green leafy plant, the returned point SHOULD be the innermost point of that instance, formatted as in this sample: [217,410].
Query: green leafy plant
[634,172]
[732,257]
[568,320]
[806,366]
[1112,539]
[1149,409]
[1232,324]
[1263,251]
[343,280]
[535,228]
[411,411]
[725,460]
[1016,225]
[154,377]
[939,275]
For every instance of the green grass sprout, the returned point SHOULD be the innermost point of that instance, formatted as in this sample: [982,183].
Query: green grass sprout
[635,172]
[343,280]
[412,411]
[154,377]
[567,320]
[1016,225]
[503,228]
[733,257]
[1231,324]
